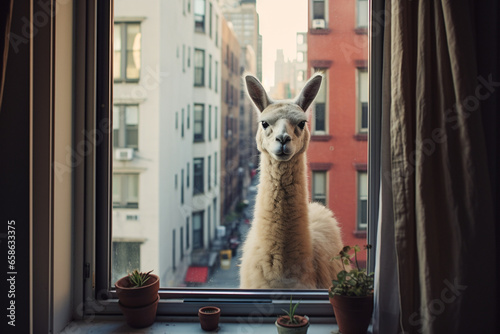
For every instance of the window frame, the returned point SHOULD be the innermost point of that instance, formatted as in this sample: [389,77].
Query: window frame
[254,304]
[359,104]
[316,197]
[324,87]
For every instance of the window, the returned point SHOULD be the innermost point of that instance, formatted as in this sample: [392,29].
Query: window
[182,186]
[187,233]
[173,249]
[209,174]
[362,100]
[362,14]
[216,83]
[320,107]
[126,256]
[216,30]
[210,11]
[210,71]
[183,58]
[209,227]
[199,15]
[199,168]
[199,122]
[127,52]
[362,216]
[199,67]
[319,187]
[181,239]
[126,126]
[182,122]
[216,122]
[188,120]
[125,191]
[187,175]
[198,230]
[209,123]
[215,171]
[318,9]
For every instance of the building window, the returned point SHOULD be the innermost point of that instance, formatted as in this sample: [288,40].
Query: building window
[198,230]
[210,71]
[187,233]
[362,14]
[362,100]
[182,186]
[199,168]
[320,107]
[126,126]
[173,249]
[216,83]
[199,122]
[181,241]
[126,190]
[182,122]
[210,11]
[216,122]
[125,257]
[209,123]
[362,217]
[215,168]
[127,52]
[318,10]
[188,120]
[209,227]
[199,15]
[199,67]
[209,174]
[189,57]
[187,175]
[319,187]
[216,30]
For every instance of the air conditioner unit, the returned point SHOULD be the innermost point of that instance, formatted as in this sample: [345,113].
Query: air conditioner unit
[319,24]
[124,154]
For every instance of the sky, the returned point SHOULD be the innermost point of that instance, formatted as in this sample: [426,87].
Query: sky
[280,20]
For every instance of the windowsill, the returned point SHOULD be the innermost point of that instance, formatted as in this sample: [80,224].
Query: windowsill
[320,31]
[361,30]
[321,137]
[359,233]
[362,136]
[189,326]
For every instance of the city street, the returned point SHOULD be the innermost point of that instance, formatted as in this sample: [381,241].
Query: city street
[229,278]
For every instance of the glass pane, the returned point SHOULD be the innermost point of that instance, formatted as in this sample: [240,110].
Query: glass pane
[363,184]
[125,258]
[117,42]
[144,194]
[133,51]
[363,13]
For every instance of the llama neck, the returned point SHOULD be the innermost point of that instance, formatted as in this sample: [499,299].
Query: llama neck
[283,200]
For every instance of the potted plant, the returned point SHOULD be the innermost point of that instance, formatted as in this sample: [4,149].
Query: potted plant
[138,298]
[292,323]
[209,318]
[351,294]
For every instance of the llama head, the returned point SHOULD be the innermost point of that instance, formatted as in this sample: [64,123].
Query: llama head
[282,131]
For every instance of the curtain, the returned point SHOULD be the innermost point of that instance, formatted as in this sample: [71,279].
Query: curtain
[5,19]
[436,240]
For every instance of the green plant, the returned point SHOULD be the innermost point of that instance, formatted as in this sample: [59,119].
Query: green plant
[291,313]
[356,281]
[138,279]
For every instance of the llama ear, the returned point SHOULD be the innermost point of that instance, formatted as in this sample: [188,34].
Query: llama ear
[309,92]
[257,93]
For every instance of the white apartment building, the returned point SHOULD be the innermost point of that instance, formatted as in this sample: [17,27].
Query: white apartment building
[166,131]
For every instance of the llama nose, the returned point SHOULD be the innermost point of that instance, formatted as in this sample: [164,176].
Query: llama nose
[283,138]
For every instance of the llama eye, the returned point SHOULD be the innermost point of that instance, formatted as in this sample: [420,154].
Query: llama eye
[301,125]
[265,124]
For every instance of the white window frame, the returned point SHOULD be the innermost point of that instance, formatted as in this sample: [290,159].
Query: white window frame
[359,101]
[324,88]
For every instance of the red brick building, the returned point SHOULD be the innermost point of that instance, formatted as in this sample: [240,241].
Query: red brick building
[338,45]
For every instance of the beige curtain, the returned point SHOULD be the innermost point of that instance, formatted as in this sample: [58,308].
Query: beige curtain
[5,19]
[436,230]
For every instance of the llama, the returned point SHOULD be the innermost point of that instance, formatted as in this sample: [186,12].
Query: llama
[291,241]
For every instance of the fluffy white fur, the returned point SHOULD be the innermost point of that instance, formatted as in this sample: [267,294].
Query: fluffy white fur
[291,241]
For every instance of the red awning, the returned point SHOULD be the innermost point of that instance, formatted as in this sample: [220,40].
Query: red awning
[196,275]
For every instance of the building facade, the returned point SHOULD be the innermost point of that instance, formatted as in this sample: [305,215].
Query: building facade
[339,125]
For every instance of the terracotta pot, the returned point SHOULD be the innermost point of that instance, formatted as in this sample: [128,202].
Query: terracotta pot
[209,318]
[353,314]
[130,296]
[140,317]
[285,328]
